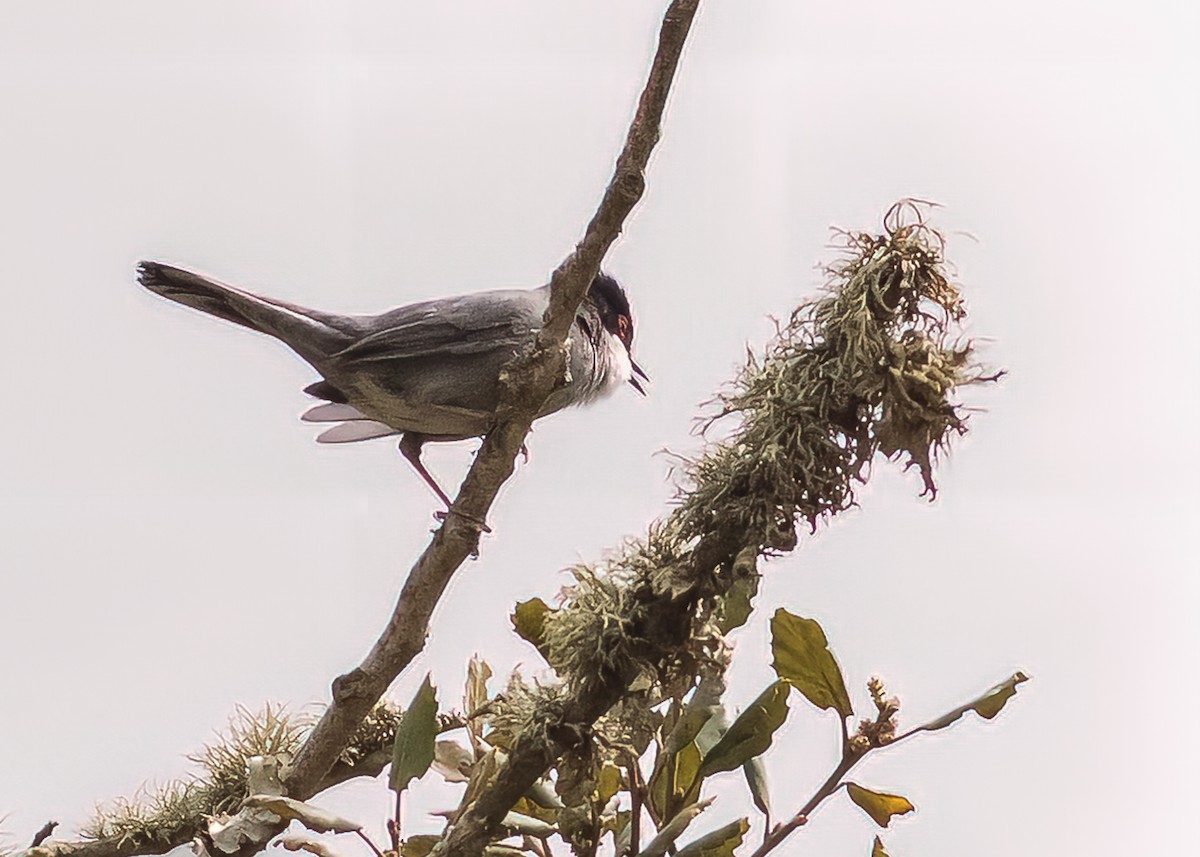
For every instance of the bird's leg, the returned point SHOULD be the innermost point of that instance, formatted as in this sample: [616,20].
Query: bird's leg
[410,448]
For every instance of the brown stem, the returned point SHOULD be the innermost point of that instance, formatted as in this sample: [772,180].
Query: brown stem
[782,831]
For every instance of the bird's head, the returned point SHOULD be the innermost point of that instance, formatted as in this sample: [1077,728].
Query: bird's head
[612,305]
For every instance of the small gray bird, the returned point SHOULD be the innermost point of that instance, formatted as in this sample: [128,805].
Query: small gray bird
[428,371]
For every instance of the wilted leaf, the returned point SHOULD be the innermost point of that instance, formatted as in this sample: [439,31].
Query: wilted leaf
[671,831]
[750,734]
[802,657]
[312,817]
[412,751]
[986,706]
[476,693]
[720,843]
[529,621]
[877,850]
[453,761]
[880,806]
[304,843]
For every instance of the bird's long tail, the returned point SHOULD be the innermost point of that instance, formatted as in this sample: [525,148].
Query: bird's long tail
[310,333]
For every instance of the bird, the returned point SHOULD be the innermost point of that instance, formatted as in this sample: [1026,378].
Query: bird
[428,371]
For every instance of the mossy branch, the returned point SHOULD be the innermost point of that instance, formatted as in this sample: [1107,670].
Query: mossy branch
[870,367]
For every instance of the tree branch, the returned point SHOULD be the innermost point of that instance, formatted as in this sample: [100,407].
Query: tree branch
[526,384]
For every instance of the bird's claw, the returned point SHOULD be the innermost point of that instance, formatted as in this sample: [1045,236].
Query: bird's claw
[478,523]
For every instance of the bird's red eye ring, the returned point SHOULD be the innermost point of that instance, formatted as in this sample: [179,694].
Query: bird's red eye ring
[625,330]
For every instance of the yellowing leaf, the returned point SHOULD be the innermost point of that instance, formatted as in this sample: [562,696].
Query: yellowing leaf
[672,780]
[529,621]
[418,846]
[803,659]
[751,733]
[879,805]
[986,706]
[722,842]
[416,733]
[877,849]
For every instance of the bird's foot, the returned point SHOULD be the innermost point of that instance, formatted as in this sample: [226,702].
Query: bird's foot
[477,523]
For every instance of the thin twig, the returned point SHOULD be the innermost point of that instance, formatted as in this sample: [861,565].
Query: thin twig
[371,844]
[829,787]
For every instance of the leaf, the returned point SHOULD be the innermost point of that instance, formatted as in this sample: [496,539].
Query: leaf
[529,621]
[608,783]
[720,843]
[671,831]
[476,693]
[986,706]
[412,751]
[704,704]
[673,777]
[419,846]
[756,779]
[751,733]
[312,817]
[877,849]
[453,761]
[879,805]
[802,657]
[295,842]
[735,607]
[519,823]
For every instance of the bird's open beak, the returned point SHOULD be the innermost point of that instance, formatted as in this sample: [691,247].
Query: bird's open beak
[640,373]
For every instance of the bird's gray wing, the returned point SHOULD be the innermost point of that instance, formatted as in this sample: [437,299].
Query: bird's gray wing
[450,327]
[443,354]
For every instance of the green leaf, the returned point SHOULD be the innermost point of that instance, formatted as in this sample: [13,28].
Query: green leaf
[750,735]
[312,817]
[879,805]
[802,658]
[877,849]
[720,843]
[529,621]
[756,779]
[419,846]
[672,780]
[416,733]
[986,706]
[608,783]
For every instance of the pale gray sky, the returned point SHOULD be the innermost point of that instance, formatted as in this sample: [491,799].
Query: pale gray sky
[173,543]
